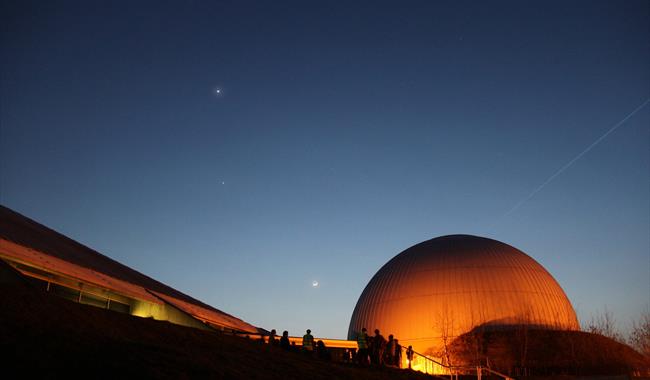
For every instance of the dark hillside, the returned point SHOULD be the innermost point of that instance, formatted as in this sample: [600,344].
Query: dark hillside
[524,350]
[43,334]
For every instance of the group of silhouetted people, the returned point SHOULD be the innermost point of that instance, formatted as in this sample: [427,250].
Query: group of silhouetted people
[377,350]
[372,350]
[283,342]
[308,346]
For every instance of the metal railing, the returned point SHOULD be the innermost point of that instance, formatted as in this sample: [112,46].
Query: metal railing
[453,371]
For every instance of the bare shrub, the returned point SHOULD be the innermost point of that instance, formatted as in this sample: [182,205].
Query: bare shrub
[446,331]
[605,324]
[640,335]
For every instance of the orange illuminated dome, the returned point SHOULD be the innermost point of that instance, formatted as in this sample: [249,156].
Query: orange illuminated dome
[447,286]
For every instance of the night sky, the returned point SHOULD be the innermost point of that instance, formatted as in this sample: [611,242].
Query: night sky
[240,150]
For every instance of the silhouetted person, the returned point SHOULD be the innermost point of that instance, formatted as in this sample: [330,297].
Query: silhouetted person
[284,341]
[273,341]
[347,356]
[389,353]
[308,342]
[378,346]
[321,351]
[398,354]
[409,355]
[362,343]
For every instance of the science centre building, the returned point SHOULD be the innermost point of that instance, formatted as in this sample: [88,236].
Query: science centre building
[442,288]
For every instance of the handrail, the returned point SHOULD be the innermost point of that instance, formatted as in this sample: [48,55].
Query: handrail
[490,370]
[479,369]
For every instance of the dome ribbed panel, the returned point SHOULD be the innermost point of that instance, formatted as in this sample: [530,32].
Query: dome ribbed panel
[456,283]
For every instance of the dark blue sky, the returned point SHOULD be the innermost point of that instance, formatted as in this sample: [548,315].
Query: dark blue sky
[343,134]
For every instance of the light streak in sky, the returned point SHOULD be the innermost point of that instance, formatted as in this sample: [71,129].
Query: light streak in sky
[576,158]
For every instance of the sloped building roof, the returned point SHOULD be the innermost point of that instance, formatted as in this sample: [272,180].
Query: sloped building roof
[28,241]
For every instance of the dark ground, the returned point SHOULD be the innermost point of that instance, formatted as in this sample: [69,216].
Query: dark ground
[41,334]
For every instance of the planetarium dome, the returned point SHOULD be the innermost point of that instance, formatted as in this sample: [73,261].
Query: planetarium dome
[447,286]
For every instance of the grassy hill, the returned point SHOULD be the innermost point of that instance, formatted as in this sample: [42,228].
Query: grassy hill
[45,335]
